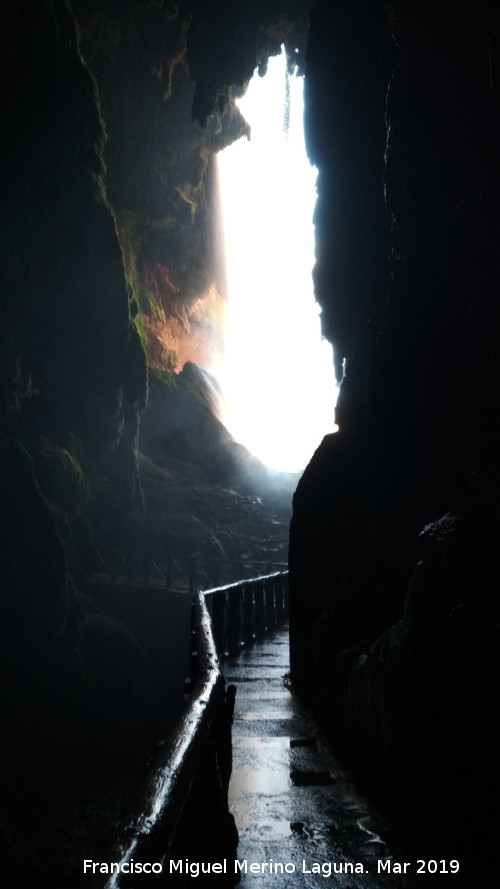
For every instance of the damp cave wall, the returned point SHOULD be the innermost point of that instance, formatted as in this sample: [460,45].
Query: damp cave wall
[104,230]
[73,383]
[112,113]
[394,535]
[393,632]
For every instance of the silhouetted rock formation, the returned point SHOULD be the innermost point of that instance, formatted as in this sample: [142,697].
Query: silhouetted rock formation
[392,552]
[106,229]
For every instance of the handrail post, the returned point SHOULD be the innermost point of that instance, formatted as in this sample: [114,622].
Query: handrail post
[234,621]
[218,613]
[248,614]
[270,603]
[260,612]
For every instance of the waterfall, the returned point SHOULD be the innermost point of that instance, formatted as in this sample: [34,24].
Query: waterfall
[277,373]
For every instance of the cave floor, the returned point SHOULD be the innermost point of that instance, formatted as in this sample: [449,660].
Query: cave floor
[294,804]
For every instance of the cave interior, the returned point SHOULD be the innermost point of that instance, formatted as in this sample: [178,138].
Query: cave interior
[112,304]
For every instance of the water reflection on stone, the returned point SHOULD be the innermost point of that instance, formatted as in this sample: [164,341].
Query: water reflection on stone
[292,801]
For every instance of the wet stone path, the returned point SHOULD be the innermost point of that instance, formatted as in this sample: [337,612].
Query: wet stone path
[299,817]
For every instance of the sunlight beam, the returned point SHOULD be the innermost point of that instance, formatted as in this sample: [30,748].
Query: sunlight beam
[277,374]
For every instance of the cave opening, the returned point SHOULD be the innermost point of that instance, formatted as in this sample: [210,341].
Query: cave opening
[277,369]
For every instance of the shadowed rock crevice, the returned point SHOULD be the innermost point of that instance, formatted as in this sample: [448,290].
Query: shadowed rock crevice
[392,538]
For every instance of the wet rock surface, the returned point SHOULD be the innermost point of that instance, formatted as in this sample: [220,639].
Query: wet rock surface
[293,802]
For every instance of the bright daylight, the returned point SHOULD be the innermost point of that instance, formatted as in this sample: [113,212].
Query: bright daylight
[278,374]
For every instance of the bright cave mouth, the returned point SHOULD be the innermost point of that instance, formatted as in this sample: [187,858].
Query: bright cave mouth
[118,478]
[256,392]
[132,484]
[276,369]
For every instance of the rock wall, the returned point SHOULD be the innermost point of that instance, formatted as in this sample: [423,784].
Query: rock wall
[160,67]
[73,380]
[392,548]
[107,245]
[107,252]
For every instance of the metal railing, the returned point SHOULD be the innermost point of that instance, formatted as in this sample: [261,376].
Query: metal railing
[148,831]
[225,619]
[245,611]
[176,574]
